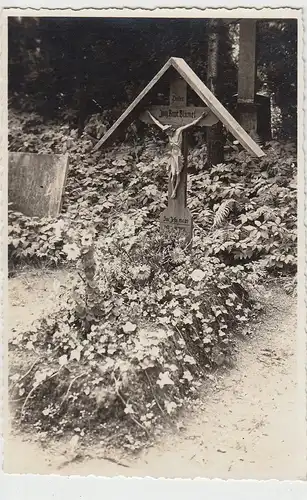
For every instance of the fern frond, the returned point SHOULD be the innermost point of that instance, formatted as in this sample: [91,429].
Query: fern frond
[223,212]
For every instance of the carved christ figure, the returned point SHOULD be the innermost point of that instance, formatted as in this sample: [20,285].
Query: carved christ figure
[175,144]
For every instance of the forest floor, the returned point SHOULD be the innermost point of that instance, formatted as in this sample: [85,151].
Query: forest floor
[245,424]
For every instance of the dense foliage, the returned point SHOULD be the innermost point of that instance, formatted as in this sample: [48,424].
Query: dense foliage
[244,210]
[146,323]
[277,69]
[147,318]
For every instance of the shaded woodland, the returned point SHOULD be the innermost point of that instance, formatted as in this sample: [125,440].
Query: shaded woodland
[73,68]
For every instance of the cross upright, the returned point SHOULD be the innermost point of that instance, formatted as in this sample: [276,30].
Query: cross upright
[174,120]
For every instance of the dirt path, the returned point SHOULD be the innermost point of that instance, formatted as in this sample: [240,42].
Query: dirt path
[31,294]
[245,426]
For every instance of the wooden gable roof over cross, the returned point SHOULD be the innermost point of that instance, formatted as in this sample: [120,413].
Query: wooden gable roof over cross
[186,72]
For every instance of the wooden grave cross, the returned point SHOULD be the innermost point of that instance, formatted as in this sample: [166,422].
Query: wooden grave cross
[175,119]
[172,119]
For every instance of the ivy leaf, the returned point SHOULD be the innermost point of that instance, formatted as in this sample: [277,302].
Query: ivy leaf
[63,360]
[189,359]
[207,340]
[75,354]
[164,379]
[40,376]
[187,375]
[177,312]
[58,228]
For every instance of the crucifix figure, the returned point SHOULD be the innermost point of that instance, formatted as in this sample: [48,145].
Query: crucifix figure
[174,134]
[174,119]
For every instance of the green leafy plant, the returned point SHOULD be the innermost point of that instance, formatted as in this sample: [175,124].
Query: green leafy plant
[245,209]
[132,339]
[253,209]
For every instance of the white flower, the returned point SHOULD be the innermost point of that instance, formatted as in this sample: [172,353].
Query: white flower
[170,407]
[197,275]
[128,410]
[129,327]
[72,251]
[187,375]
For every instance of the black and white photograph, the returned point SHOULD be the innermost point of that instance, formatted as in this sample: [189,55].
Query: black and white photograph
[154,175]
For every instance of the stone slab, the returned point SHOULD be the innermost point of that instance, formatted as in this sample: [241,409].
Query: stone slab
[36,183]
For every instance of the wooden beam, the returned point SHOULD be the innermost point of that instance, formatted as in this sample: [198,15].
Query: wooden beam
[205,95]
[247,61]
[132,106]
[218,109]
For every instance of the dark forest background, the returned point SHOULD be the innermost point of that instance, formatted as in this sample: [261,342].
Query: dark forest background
[70,68]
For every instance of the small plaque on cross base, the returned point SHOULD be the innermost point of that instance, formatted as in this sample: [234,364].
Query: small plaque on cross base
[179,220]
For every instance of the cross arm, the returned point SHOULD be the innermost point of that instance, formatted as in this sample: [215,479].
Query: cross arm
[194,122]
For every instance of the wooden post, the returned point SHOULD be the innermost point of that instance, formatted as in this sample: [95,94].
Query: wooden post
[247,107]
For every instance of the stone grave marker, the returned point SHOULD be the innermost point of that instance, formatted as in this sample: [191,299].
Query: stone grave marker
[36,183]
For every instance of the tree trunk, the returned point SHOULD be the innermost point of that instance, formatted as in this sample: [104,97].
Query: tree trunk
[81,107]
[215,139]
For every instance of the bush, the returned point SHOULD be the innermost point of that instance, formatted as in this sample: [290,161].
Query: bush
[34,240]
[146,322]
[250,209]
